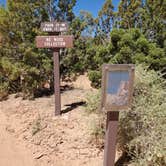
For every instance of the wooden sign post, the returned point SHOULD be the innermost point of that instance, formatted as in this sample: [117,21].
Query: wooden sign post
[55,42]
[117,90]
[54,26]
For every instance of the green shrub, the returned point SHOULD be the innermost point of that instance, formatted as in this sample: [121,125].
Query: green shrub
[97,130]
[132,47]
[92,102]
[97,125]
[95,78]
[4,90]
[142,128]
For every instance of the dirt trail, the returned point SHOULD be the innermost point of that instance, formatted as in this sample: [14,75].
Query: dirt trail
[30,134]
[52,141]
[12,153]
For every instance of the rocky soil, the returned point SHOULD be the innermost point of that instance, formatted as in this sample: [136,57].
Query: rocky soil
[53,141]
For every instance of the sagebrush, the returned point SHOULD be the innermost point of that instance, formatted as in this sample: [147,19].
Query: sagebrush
[142,129]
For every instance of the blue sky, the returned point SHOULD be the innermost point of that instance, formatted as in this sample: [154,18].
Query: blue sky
[2,2]
[93,6]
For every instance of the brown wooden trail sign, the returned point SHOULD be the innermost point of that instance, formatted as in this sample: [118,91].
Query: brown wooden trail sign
[55,42]
[54,26]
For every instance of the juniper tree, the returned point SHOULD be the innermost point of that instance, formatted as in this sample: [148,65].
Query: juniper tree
[153,21]
[106,17]
[23,66]
[129,12]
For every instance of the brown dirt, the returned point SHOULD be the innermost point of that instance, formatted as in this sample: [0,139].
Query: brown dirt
[49,140]
[12,152]
[32,136]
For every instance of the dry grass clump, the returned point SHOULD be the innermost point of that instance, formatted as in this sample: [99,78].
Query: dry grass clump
[142,130]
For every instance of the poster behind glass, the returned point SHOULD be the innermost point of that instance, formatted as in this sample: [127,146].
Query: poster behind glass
[117,91]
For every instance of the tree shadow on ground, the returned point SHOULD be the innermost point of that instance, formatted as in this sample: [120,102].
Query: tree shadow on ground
[72,106]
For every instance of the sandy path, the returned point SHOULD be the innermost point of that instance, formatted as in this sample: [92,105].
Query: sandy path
[12,152]
[49,140]
[59,140]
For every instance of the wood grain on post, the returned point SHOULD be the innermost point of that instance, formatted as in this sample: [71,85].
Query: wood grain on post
[111,134]
[57,82]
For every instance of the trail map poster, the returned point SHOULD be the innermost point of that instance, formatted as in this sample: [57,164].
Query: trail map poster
[117,86]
